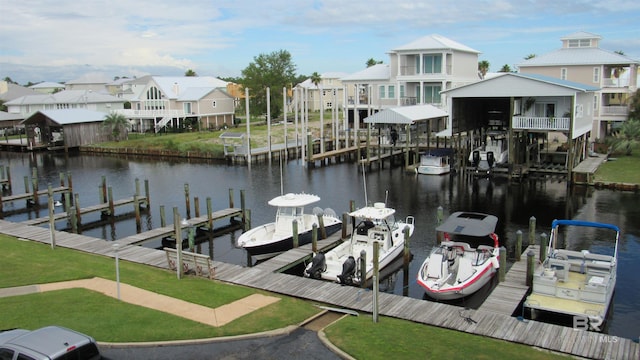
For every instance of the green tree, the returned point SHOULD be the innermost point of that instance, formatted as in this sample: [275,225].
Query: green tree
[505,68]
[275,71]
[530,56]
[316,78]
[626,137]
[116,124]
[190,72]
[634,106]
[8,79]
[483,68]
[372,62]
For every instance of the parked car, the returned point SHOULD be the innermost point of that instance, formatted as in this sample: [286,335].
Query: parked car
[47,343]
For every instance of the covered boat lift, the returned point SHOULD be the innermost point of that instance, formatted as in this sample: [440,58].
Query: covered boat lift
[405,117]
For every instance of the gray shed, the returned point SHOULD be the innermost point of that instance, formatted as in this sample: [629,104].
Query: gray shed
[68,128]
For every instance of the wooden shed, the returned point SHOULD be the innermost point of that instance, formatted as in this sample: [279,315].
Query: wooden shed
[68,128]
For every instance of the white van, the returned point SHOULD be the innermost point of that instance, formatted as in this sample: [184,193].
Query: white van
[47,343]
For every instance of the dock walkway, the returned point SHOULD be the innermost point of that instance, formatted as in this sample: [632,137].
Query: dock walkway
[484,322]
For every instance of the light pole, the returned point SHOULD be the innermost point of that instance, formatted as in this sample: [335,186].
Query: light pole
[115,249]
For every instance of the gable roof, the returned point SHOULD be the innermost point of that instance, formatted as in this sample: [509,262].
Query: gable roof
[47,85]
[379,72]
[579,56]
[174,86]
[66,97]
[10,91]
[581,35]
[67,116]
[406,114]
[435,42]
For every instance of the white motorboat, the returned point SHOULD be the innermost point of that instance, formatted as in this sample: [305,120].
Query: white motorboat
[375,224]
[579,284]
[276,237]
[494,151]
[465,261]
[435,162]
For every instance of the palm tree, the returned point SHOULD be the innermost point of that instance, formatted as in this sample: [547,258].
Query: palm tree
[483,68]
[315,78]
[530,56]
[505,68]
[190,72]
[372,62]
[116,124]
[626,137]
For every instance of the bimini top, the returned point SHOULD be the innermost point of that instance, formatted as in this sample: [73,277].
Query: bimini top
[294,200]
[469,223]
[378,211]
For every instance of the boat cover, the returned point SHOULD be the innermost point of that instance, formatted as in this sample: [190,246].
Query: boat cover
[469,223]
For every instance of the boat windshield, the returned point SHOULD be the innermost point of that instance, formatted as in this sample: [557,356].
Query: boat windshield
[289,213]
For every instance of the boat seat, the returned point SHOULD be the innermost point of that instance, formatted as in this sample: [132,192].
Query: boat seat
[561,268]
[465,270]
[434,269]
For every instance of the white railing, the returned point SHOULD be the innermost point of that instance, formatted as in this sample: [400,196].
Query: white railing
[614,110]
[132,113]
[613,82]
[541,123]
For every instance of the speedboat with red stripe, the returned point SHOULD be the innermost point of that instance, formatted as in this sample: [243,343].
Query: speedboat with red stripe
[465,261]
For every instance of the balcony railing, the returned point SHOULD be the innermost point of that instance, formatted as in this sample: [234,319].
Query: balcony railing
[614,110]
[132,113]
[541,123]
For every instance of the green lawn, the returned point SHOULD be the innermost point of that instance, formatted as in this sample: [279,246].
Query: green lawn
[621,168]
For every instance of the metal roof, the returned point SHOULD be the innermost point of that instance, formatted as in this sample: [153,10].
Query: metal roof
[175,86]
[521,89]
[579,56]
[469,223]
[69,116]
[376,72]
[435,42]
[294,200]
[406,114]
[66,97]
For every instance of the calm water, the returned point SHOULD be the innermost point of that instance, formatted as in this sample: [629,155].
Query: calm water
[409,194]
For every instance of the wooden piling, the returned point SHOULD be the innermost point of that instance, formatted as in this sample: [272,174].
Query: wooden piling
[67,202]
[34,180]
[52,222]
[111,207]
[363,269]
[294,229]
[73,220]
[530,267]
[69,182]
[407,252]
[209,214]
[243,207]
[314,238]
[178,236]
[9,178]
[136,208]
[76,203]
[518,245]
[247,220]
[163,219]
[502,271]
[323,231]
[187,201]
[146,193]
[532,230]
[345,219]
[543,247]
[104,188]
[61,175]
[196,206]
[231,198]
[376,272]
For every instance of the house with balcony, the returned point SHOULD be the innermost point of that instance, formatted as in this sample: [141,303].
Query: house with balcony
[581,60]
[197,102]
[543,119]
[328,94]
[67,99]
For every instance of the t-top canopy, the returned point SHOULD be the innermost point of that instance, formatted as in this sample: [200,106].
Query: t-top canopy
[294,200]
[376,212]
[469,223]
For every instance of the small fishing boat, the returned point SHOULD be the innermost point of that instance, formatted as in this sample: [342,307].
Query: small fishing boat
[494,151]
[375,224]
[465,261]
[276,237]
[576,283]
[435,162]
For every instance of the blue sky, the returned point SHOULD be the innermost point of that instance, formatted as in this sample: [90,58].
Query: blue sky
[43,40]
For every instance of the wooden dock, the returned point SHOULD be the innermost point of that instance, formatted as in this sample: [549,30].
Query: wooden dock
[32,195]
[484,321]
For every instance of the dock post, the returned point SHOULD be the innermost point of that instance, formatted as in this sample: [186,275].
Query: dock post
[196,206]
[73,220]
[137,181]
[363,268]
[530,267]
[352,208]
[345,219]
[247,220]
[294,229]
[209,214]
[187,201]
[323,231]
[104,188]
[178,235]
[34,181]
[76,203]
[111,207]
[502,271]
[407,260]
[518,245]
[163,219]
[67,202]
[532,230]
[376,272]
[407,253]
[69,182]
[101,197]
[314,238]
[61,179]
[146,193]
[231,198]
[242,206]
[52,222]
[543,247]
[8,178]
[136,208]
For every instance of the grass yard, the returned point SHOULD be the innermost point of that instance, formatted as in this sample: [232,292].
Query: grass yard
[621,168]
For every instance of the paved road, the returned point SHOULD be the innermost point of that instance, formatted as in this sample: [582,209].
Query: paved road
[299,344]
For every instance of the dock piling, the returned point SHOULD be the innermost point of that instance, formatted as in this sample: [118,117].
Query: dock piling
[363,269]
[52,223]
[518,244]
[530,267]
[196,206]
[209,214]
[187,203]
[502,271]
[314,238]
[163,219]
[543,247]
[294,227]
[532,230]
[323,231]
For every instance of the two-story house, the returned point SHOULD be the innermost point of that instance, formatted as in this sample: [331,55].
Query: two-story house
[67,99]
[582,60]
[178,101]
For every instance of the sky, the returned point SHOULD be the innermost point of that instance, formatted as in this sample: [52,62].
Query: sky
[62,40]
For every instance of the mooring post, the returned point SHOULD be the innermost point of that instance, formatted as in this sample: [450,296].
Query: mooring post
[137,181]
[231,198]
[242,205]
[69,182]
[104,188]
[136,208]
[502,271]
[518,245]
[407,252]
[314,238]
[163,219]
[73,220]
[196,206]
[247,220]
[146,193]
[34,180]
[543,247]
[530,267]
[178,235]
[294,229]
[52,221]
[532,230]
[209,214]
[323,231]
[363,268]
[187,201]
[345,218]
[112,211]
[376,271]
[67,202]
[352,208]
[76,203]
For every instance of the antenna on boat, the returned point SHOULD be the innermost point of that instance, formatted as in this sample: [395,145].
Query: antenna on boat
[364,182]
[281,177]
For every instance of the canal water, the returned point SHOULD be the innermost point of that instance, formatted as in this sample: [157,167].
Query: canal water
[410,194]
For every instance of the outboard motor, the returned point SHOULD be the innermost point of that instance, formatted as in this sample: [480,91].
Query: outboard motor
[318,266]
[348,271]
[491,158]
[475,158]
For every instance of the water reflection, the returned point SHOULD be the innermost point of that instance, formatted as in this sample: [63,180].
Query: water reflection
[409,194]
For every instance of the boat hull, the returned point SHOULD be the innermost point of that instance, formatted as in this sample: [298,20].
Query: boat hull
[434,170]
[458,291]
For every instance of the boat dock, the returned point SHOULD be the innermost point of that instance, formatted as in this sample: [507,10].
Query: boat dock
[485,321]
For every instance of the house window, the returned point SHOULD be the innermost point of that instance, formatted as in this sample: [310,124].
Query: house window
[381,91]
[579,43]
[187,108]
[402,91]
[563,73]
[595,102]
[432,94]
[154,99]
[596,75]
[214,103]
[545,109]
[391,92]
[432,64]
[328,105]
